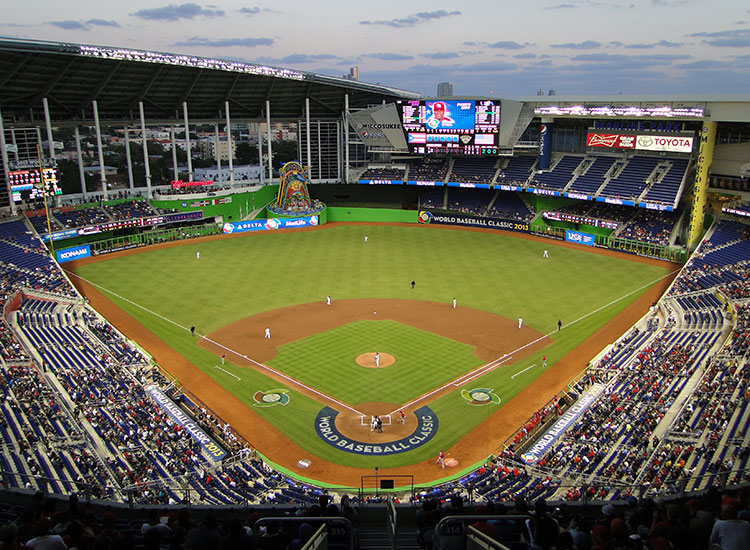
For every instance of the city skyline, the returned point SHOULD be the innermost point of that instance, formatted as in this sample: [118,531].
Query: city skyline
[503,49]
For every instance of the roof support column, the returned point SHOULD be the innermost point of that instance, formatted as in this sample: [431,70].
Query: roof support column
[81,172]
[217,150]
[229,144]
[145,150]
[102,175]
[175,174]
[129,159]
[188,147]
[260,153]
[6,166]
[346,138]
[268,131]
[307,138]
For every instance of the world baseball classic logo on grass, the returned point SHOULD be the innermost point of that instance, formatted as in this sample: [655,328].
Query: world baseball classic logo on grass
[480,396]
[270,398]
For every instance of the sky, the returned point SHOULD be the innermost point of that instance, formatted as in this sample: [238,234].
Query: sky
[500,48]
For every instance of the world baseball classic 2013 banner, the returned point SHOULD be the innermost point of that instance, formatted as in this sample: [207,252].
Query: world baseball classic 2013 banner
[424,430]
[426,217]
[178,415]
[270,224]
[566,420]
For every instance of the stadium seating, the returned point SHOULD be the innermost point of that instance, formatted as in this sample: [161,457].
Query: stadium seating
[559,176]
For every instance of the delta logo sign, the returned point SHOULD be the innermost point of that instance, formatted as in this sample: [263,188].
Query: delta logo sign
[270,224]
[74,253]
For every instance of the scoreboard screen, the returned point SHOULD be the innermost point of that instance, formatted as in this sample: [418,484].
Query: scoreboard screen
[32,184]
[460,127]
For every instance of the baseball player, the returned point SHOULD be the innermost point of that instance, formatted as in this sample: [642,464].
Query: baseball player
[520,322]
[454,303]
[365,238]
[197,254]
[402,417]
[441,459]
[223,356]
[328,300]
[377,359]
[544,361]
[546,254]
[267,333]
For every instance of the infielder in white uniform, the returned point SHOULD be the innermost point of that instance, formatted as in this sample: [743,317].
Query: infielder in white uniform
[267,334]
[520,322]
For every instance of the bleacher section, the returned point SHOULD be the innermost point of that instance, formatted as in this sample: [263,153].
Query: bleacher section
[517,171]
[560,175]
[592,179]
[665,190]
[469,170]
[632,179]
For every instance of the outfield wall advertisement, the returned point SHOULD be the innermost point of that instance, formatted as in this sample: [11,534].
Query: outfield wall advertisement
[270,224]
[581,238]
[426,217]
[73,253]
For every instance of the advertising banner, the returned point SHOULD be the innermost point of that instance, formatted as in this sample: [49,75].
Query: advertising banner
[611,141]
[426,217]
[553,433]
[469,185]
[545,146]
[673,144]
[382,182]
[74,253]
[57,235]
[270,224]
[178,415]
[580,238]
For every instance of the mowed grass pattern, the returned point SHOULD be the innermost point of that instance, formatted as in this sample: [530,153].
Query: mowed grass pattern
[496,272]
[424,361]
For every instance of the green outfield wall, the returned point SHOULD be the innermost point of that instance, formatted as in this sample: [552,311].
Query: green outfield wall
[348,214]
[239,205]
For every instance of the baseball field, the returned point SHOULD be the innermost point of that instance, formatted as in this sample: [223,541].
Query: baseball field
[464,376]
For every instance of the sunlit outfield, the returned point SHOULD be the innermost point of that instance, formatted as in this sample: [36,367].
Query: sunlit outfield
[240,277]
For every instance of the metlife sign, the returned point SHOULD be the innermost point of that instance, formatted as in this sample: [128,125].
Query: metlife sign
[74,253]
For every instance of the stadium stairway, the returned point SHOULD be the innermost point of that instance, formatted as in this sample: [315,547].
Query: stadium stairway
[373,528]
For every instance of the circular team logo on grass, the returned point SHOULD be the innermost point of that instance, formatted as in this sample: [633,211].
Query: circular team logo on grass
[426,428]
[270,398]
[480,396]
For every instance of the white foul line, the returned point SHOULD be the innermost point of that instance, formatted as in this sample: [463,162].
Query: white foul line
[524,370]
[227,372]
[291,380]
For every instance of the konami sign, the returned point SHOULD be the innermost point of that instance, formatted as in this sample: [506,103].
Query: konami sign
[674,144]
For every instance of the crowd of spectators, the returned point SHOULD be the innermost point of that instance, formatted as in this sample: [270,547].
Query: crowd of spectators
[649,226]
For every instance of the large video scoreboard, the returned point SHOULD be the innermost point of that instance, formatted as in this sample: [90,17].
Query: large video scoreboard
[29,183]
[458,127]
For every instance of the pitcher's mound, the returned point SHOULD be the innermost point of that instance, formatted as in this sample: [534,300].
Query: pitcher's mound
[367,360]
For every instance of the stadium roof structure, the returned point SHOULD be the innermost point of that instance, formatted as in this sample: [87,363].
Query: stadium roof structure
[71,76]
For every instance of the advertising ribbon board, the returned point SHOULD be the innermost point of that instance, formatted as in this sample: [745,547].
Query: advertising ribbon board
[212,448]
[270,224]
[580,238]
[74,253]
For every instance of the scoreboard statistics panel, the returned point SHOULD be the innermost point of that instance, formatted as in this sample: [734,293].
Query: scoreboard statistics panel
[31,184]
[459,127]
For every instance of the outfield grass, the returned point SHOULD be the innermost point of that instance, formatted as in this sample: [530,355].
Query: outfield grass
[241,277]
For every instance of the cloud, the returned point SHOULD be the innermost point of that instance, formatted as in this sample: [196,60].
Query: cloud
[300,58]
[226,42]
[660,43]
[386,56]
[561,7]
[441,55]
[506,45]
[250,11]
[69,25]
[174,12]
[586,45]
[704,64]
[102,23]
[525,56]
[412,20]
[734,38]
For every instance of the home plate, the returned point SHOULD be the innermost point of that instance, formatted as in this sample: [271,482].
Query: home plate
[304,463]
[451,462]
